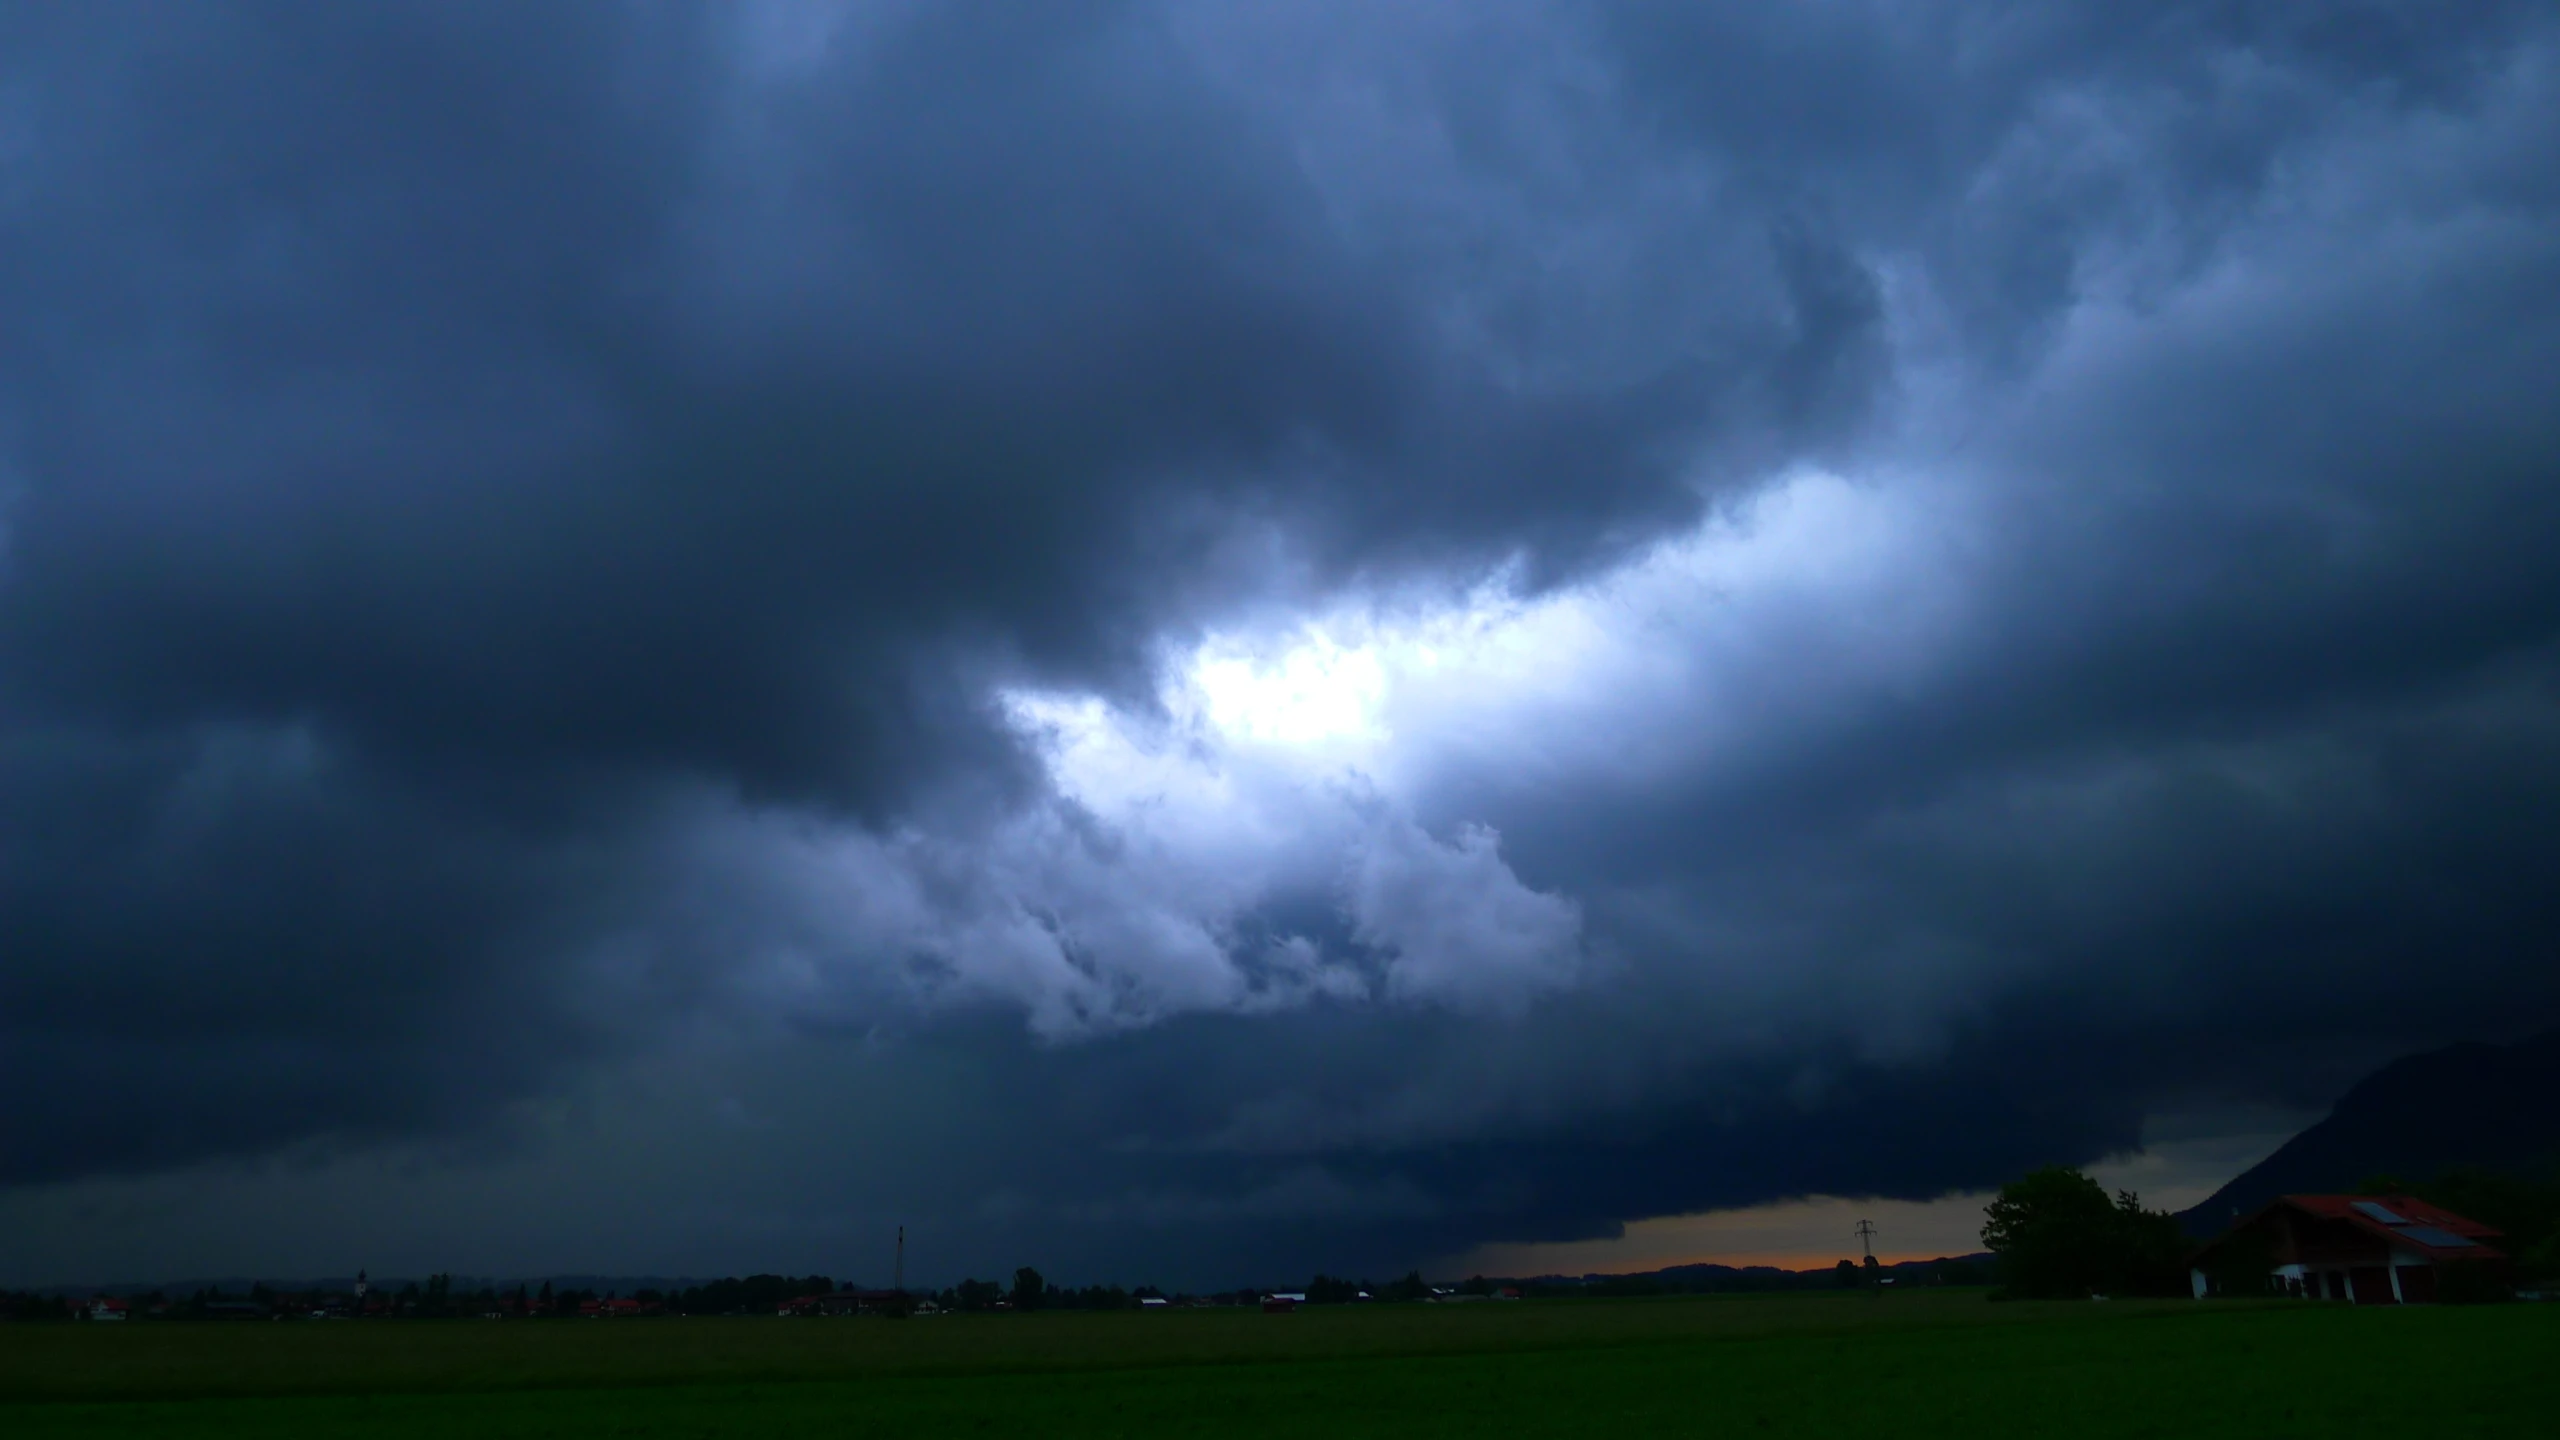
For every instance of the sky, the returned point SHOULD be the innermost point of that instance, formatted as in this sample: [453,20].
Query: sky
[1191,643]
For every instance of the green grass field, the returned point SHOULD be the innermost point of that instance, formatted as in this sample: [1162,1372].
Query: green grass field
[1921,1364]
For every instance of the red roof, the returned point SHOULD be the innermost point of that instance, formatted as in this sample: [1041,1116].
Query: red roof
[2424,1228]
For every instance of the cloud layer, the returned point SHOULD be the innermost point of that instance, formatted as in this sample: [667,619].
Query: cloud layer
[1216,640]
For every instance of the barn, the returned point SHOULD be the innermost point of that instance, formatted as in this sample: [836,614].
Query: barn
[2368,1249]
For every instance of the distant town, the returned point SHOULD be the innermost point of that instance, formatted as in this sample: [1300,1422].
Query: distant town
[443,1297]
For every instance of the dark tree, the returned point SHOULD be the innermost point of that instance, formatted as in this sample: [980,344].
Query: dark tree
[755,1295]
[1613,1285]
[1326,1290]
[2057,1235]
[1029,1291]
[32,1306]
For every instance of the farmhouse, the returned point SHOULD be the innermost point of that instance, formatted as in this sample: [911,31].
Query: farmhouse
[2370,1249]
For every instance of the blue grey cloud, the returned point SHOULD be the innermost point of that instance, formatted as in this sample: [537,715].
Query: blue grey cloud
[1263,638]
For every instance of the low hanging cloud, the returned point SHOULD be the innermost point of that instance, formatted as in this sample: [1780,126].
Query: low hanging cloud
[1164,874]
[1459,926]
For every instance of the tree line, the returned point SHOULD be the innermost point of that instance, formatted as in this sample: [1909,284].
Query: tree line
[2054,1233]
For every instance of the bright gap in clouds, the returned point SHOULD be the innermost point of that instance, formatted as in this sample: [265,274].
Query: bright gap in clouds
[1318,690]
[1814,585]
[1296,763]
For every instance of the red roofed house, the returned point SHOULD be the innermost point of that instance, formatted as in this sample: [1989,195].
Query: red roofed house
[2371,1249]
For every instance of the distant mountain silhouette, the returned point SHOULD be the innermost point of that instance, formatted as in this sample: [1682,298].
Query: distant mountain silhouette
[2491,1105]
[1972,1269]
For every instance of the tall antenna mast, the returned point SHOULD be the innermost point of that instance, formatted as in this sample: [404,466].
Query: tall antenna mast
[1866,1233]
[898,1276]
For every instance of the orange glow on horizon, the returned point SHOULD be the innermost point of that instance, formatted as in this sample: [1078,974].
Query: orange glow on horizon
[1807,1261]
[1813,1233]
[1817,1232]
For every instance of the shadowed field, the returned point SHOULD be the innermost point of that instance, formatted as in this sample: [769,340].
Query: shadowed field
[1913,1365]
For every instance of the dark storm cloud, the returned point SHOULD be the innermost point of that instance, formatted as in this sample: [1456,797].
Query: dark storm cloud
[513,407]
[455,462]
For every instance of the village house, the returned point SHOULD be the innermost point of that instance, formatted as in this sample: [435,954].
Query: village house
[2368,1249]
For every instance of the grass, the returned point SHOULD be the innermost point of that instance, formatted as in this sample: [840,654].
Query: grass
[1794,1365]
